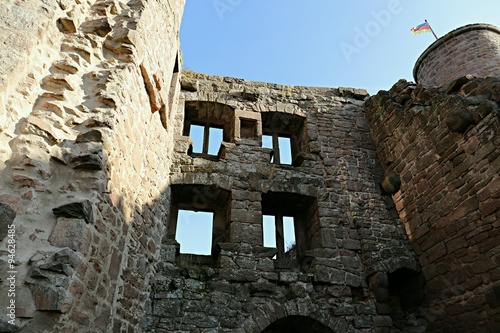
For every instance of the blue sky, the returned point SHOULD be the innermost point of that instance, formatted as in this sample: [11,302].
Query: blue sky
[319,42]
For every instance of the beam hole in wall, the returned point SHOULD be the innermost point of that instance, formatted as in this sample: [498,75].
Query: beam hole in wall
[248,128]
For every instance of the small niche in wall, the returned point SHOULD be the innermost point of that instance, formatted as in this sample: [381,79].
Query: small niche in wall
[248,128]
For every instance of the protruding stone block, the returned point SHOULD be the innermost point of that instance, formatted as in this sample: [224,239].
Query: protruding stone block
[78,210]
[67,25]
[391,184]
[459,120]
[89,136]
[70,233]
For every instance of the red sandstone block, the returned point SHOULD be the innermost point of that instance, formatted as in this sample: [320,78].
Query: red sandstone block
[436,252]
[483,265]
[489,207]
[455,244]
[488,244]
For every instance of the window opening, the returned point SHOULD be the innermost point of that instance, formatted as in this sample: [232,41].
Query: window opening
[290,224]
[196,132]
[289,233]
[279,232]
[267,142]
[215,124]
[206,139]
[199,218]
[281,146]
[214,140]
[286,135]
[285,149]
[194,232]
[269,230]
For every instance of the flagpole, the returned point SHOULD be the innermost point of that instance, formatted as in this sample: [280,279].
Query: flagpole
[431,29]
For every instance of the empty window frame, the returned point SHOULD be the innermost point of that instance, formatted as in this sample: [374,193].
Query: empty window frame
[199,218]
[279,232]
[290,223]
[208,124]
[206,139]
[286,135]
[282,148]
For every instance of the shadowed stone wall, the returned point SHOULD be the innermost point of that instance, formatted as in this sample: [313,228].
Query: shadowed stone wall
[442,143]
[84,89]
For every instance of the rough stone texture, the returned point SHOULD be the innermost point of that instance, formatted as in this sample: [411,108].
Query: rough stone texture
[7,216]
[96,163]
[473,49]
[353,232]
[449,199]
[85,162]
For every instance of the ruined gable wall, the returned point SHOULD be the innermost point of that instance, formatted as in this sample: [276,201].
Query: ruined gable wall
[443,144]
[354,237]
[87,135]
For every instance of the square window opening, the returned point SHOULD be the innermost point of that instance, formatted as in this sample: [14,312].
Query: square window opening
[194,232]
[286,135]
[217,121]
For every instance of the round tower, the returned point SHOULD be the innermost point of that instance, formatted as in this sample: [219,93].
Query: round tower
[471,49]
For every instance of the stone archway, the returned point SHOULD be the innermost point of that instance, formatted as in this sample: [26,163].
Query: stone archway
[297,324]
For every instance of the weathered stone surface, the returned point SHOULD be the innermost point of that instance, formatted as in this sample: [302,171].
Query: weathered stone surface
[7,216]
[70,232]
[89,136]
[75,130]
[443,230]
[87,162]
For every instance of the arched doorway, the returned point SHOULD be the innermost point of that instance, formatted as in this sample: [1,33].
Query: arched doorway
[297,324]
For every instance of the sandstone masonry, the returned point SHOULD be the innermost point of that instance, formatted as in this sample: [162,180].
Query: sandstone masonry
[394,198]
[473,49]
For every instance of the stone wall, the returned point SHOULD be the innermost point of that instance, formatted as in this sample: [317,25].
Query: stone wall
[351,237]
[473,49]
[442,144]
[85,90]
[97,162]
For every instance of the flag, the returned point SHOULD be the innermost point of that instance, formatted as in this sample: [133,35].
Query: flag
[424,27]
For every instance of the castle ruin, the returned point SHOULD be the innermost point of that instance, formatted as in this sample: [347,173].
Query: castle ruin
[394,199]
